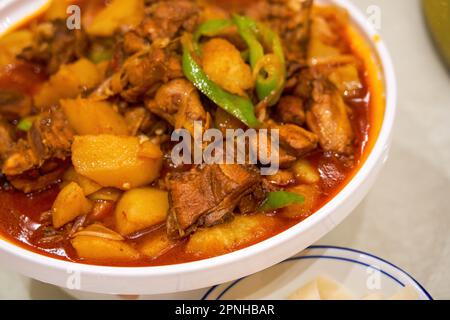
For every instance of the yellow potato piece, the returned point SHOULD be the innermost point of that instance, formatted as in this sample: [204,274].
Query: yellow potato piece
[156,244]
[117,14]
[305,172]
[229,236]
[141,208]
[12,44]
[88,116]
[224,65]
[86,184]
[116,161]
[98,248]
[69,204]
[311,194]
[68,82]
[57,10]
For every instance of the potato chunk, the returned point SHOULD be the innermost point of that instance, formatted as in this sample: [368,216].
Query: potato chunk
[69,204]
[56,10]
[305,172]
[99,248]
[117,14]
[86,184]
[229,236]
[68,82]
[88,116]
[224,65]
[156,244]
[141,208]
[12,44]
[116,161]
[303,210]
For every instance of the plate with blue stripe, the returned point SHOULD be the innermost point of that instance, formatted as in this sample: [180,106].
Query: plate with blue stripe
[363,274]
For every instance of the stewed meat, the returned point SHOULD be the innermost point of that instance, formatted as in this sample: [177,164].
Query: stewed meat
[49,137]
[328,117]
[208,196]
[54,45]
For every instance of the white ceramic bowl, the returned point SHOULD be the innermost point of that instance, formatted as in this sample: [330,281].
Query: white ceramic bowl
[204,273]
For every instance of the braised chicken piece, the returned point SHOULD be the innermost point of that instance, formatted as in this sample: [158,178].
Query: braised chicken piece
[54,45]
[49,137]
[296,140]
[140,73]
[290,109]
[178,102]
[167,19]
[207,196]
[328,117]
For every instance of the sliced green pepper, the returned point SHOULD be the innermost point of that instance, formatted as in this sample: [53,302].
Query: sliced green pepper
[210,28]
[239,107]
[246,28]
[269,69]
[280,199]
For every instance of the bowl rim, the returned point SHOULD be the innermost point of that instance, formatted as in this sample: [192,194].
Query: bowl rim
[379,150]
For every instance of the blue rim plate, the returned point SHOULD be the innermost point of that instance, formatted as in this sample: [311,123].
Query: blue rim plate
[362,273]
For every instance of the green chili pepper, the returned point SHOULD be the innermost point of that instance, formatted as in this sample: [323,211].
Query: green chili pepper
[246,28]
[210,28]
[269,69]
[25,124]
[280,199]
[239,107]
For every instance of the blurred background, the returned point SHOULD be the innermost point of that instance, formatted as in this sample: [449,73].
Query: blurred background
[406,217]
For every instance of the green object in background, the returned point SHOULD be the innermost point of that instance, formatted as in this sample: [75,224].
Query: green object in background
[437,14]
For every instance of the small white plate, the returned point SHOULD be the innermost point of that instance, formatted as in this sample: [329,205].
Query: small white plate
[361,273]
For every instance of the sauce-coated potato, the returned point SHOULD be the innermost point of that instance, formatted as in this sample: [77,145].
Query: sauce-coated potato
[69,204]
[116,161]
[98,248]
[229,236]
[86,184]
[311,193]
[156,244]
[88,116]
[68,82]
[224,65]
[117,14]
[141,208]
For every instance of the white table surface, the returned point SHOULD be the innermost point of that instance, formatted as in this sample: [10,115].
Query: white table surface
[406,217]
